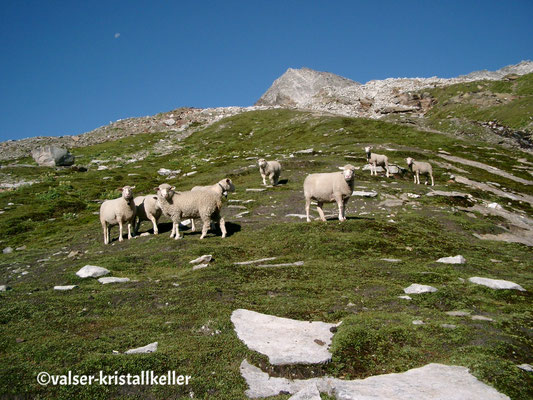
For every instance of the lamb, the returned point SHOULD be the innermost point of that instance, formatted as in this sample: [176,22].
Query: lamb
[204,204]
[148,209]
[222,188]
[420,168]
[272,169]
[327,188]
[118,211]
[376,160]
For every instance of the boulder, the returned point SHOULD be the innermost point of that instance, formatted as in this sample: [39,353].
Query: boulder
[52,156]
[92,271]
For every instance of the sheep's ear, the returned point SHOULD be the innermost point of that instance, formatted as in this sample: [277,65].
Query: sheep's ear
[119,189]
[341,168]
[133,187]
[173,188]
[156,188]
[228,180]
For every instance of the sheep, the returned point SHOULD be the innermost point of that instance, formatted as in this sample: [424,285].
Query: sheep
[118,211]
[204,204]
[148,209]
[222,188]
[327,188]
[420,168]
[272,169]
[376,159]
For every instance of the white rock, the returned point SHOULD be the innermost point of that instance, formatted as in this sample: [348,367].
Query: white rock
[199,266]
[68,287]
[102,167]
[415,288]
[283,340]
[362,193]
[167,172]
[481,318]
[149,348]
[112,279]
[8,250]
[418,322]
[169,122]
[413,195]
[405,297]
[496,283]
[255,261]
[301,216]
[448,326]
[255,190]
[306,151]
[457,313]
[495,206]
[310,392]
[526,367]
[391,260]
[430,382]
[202,259]
[92,271]
[452,260]
[294,264]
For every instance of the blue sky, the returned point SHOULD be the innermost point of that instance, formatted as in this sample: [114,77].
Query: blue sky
[67,67]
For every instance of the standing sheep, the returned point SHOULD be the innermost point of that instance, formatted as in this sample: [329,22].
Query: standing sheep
[328,188]
[118,211]
[204,204]
[148,209]
[376,160]
[222,188]
[420,168]
[270,169]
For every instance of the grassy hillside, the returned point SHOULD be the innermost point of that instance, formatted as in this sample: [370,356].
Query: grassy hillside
[343,277]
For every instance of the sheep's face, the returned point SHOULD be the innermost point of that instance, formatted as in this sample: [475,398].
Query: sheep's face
[367,149]
[409,161]
[228,185]
[165,191]
[262,162]
[127,192]
[348,172]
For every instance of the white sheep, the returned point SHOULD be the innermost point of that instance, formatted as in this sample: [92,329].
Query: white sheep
[148,209]
[376,160]
[118,211]
[420,168]
[222,188]
[204,204]
[328,188]
[270,169]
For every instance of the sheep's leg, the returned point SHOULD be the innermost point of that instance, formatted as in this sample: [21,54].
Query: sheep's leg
[193,227]
[137,225]
[414,177]
[432,182]
[387,169]
[344,208]
[205,227]
[120,239]
[264,178]
[129,230]
[275,180]
[106,234]
[173,229]
[154,223]
[372,169]
[222,226]
[417,178]
[177,236]
[320,211]
[307,206]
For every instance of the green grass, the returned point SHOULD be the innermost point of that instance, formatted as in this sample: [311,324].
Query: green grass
[343,277]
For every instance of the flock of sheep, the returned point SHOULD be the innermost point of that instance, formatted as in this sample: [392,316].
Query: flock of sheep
[205,202]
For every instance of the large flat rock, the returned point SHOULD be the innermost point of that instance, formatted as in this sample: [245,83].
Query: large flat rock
[92,271]
[283,340]
[496,283]
[430,382]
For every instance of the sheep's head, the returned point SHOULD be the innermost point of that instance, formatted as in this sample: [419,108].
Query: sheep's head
[409,161]
[348,172]
[262,162]
[367,149]
[165,191]
[228,185]
[127,192]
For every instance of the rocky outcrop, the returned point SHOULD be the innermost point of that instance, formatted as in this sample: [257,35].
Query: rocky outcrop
[52,156]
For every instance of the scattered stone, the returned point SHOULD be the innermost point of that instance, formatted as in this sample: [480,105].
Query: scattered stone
[102,168]
[301,216]
[391,203]
[167,172]
[73,253]
[448,326]
[496,283]
[169,122]
[294,264]
[255,190]
[20,340]
[310,392]
[413,195]
[52,156]
[64,288]
[415,288]
[405,297]
[525,367]
[362,193]
[461,195]
[242,214]
[255,261]
[21,248]
[458,313]
[202,259]
[4,288]
[112,279]
[452,260]
[494,206]
[190,173]
[418,322]
[8,250]
[283,340]
[432,381]
[481,318]
[391,260]
[367,167]
[306,151]
[92,271]
[199,266]
[149,348]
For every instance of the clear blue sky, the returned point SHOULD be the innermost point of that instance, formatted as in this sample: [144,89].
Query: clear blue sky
[67,67]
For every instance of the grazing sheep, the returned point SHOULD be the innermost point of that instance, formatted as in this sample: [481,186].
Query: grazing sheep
[118,211]
[328,188]
[272,169]
[148,209]
[204,204]
[420,168]
[222,188]
[376,159]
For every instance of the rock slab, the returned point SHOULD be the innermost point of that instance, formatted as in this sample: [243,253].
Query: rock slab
[452,260]
[64,288]
[498,284]
[415,288]
[52,156]
[284,341]
[92,271]
[112,279]
[149,348]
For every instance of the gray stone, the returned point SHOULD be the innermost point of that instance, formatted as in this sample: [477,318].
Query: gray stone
[458,313]
[499,284]
[168,172]
[92,271]
[301,216]
[112,279]
[255,261]
[482,318]
[52,156]
[415,288]
[362,193]
[306,151]
[418,322]
[8,250]
[391,260]
[199,266]
[294,264]
[255,190]
[405,297]
[283,340]
[310,392]
[64,288]
[149,348]
[525,367]
[450,194]
[202,259]
[430,382]
[452,260]
[448,326]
